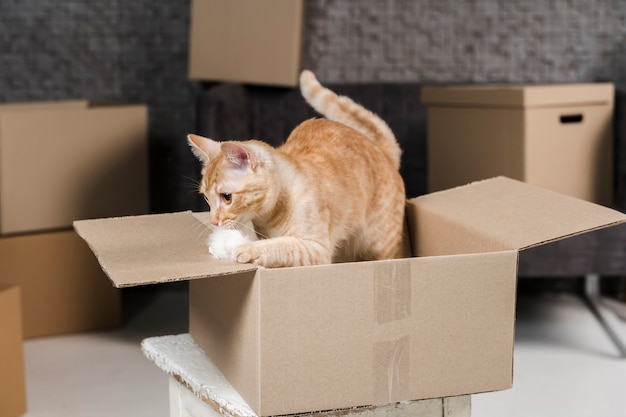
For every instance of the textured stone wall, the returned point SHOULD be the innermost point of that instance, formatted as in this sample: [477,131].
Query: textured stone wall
[467,41]
[136,51]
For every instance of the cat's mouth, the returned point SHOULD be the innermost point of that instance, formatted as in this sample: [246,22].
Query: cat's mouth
[227,224]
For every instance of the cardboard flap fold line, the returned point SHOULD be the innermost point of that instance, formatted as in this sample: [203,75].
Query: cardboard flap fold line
[498,214]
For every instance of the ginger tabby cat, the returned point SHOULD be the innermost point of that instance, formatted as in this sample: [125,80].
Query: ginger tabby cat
[333,185]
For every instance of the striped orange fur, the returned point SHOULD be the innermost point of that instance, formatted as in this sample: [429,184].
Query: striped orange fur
[334,185]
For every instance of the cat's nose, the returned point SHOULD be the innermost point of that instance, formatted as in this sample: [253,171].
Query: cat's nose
[215,223]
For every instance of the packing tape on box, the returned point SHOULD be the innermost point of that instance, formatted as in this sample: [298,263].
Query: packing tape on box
[392,370]
[392,292]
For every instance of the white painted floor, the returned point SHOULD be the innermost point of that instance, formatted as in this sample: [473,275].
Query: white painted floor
[564,365]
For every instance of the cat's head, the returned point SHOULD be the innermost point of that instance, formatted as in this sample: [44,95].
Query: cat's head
[237,181]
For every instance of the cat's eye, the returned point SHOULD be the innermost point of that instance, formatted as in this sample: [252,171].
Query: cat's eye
[226,198]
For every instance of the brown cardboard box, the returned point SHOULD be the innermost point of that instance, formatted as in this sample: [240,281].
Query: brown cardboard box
[556,136]
[63,288]
[12,378]
[246,41]
[64,161]
[293,340]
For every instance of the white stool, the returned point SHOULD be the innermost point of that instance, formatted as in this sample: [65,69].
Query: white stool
[198,388]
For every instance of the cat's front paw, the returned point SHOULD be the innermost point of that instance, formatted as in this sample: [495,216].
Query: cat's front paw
[249,253]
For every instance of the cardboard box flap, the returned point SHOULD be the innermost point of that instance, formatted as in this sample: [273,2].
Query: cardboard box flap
[519,96]
[509,214]
[138,250]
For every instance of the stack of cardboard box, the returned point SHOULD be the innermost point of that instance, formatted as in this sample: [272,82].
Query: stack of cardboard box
[60,162]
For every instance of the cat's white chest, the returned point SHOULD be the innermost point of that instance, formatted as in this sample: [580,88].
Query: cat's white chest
[221,242]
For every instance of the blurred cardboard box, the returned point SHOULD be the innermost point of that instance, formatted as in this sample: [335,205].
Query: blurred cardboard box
[63,161]
[12,377]
[59,162]
[292,340]
[556,136]
[246,41]
[63,288]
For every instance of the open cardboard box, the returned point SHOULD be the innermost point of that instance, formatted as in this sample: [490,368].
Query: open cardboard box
[291,340]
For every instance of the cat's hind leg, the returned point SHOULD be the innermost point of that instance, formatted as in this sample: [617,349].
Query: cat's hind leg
[381,240]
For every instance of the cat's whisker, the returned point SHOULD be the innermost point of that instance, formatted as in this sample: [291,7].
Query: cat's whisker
[259,233]
[199,233]
[191,184]
[192,179]
[253,230]
[237,225]
[203,234]
[203,230]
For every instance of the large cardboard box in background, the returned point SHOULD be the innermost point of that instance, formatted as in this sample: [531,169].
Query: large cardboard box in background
[555,136]
[12,377]
[64,161]
[63,288]
[293,340]
[247,41]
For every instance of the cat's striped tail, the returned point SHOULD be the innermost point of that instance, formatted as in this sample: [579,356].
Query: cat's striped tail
[344,110]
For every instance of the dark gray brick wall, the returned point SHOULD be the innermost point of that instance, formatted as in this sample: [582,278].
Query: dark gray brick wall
[442,41]
[136,51]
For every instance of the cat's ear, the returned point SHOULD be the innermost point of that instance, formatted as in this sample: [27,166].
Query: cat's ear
[239,155]
[203,148]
